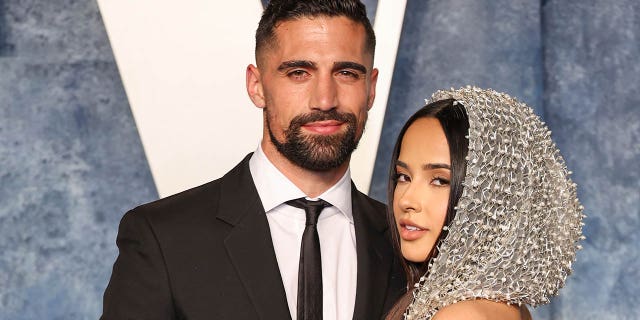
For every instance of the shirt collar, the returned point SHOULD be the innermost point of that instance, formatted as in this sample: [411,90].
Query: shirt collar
[275,189]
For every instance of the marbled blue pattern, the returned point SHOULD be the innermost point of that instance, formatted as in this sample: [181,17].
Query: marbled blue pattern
[591,100]
[576,63]
[71,161]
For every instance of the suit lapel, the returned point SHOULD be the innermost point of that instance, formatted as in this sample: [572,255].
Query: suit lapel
[249,243]
[251,252]
[374,258]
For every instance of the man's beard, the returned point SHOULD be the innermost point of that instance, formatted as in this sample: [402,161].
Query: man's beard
[313,151]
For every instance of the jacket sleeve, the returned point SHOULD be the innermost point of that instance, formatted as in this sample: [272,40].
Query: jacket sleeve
[139,285]
[397,285]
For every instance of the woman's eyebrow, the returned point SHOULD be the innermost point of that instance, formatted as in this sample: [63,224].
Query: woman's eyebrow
[402,164]
[426,166]
[431,166]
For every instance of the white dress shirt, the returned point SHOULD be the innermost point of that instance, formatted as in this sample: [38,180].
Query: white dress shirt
[335,229]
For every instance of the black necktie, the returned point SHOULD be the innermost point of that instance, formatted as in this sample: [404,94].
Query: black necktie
[310,267]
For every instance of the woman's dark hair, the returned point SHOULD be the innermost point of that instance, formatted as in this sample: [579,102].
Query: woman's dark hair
[455,124]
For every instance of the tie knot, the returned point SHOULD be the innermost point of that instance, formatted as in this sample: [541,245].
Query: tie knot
[311,207]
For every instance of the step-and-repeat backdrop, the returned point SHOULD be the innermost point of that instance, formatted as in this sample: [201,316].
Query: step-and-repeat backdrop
[107,104]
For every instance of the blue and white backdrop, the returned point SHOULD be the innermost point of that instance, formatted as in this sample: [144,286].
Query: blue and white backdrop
[107,104]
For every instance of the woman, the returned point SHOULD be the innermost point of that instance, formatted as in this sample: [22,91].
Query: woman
[484,212]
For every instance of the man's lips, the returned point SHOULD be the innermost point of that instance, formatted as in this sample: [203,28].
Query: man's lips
[323,127]
[410,231]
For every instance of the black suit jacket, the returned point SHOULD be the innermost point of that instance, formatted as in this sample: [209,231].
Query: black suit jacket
[207,253]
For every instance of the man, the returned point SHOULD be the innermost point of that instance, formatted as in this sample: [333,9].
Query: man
[233,248]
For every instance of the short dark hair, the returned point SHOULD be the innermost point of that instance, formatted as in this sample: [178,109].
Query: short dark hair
[455,124]
[285,10]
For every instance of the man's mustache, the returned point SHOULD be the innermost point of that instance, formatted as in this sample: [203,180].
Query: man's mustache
[300,120]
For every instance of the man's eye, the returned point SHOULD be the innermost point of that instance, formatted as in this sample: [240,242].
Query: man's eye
[297,74]
[350,74]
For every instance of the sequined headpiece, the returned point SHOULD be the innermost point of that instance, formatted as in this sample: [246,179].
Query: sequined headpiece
[518,221]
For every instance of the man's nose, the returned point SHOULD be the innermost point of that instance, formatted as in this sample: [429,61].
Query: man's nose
[325,95]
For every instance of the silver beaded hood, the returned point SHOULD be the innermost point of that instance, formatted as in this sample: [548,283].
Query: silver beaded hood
[518,221]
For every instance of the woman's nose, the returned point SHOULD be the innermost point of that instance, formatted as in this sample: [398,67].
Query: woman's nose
[410,199]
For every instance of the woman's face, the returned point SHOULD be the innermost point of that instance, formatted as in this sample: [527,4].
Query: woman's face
[421,196]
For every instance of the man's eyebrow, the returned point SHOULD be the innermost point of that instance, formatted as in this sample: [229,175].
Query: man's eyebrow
[349,65]
[296,64]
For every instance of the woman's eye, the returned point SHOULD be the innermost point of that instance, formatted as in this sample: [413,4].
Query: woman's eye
[440,181]
[401,177]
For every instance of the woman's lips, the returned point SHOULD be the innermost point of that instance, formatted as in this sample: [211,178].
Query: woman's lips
[410,231]
[323,127]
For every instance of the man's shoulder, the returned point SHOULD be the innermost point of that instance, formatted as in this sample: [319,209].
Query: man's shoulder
[368,210]
[197,200]
[363,199]
[181,203]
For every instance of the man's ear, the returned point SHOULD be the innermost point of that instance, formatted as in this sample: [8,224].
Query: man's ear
[254,86]
[372,88]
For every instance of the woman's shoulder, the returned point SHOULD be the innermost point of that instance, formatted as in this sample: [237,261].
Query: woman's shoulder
[478,310]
